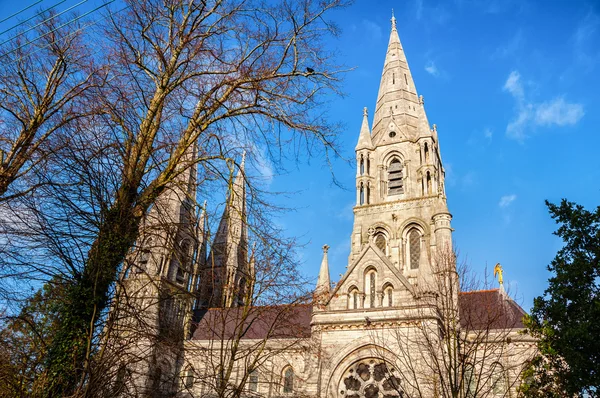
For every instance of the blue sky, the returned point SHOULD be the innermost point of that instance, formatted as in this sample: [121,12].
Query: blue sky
[512,87]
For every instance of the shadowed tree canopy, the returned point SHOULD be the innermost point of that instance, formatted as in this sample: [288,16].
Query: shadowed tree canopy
[565,318]
[215,75]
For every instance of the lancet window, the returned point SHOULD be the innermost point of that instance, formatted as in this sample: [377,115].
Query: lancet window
[395,178]
[414,248]
[288,380]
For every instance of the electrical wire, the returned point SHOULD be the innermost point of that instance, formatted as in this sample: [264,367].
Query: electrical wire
[67,36]
[42,22]
[30,18]
[55,29]
[18,12]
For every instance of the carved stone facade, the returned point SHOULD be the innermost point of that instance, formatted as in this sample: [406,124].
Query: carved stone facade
[382,330]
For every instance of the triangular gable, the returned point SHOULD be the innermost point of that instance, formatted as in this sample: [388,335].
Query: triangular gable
[370,246]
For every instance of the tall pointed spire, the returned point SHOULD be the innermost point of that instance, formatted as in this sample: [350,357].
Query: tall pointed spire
[398,109]
[323,283]
[364,139]
[229,253]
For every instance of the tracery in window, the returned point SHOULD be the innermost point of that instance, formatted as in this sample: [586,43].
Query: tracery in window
[395,178]
[370,378]
[288,380]
[414,242]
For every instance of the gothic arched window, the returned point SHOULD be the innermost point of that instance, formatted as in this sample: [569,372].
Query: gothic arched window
[370,378]
[288,380]
[188,378]
[353,298]
[426,154]
[388,296]
[414,248]
[362,194]
[253,381]
[362,165]
[380,242]
[395,178]
[469,382]
[370,287]
[368,166]
[498,380]
[429,189]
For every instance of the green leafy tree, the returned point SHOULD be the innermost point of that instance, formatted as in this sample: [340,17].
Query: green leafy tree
[565,318]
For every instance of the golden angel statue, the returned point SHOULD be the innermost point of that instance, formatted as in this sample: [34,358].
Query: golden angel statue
[498,272]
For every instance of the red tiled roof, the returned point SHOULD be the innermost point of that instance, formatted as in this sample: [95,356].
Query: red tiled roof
[481,309]
[281,321]
[489,309]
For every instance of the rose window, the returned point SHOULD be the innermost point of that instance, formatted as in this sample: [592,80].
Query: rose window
[370,378]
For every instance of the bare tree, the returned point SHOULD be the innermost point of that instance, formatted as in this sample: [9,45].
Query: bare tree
[462,341]
[180,72]
[45,76]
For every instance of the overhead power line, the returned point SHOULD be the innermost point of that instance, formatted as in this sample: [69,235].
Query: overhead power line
[18,12]
[30,18]
[46,20]
[57,28]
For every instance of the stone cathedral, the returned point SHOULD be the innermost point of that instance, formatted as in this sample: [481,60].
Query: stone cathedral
[381,331]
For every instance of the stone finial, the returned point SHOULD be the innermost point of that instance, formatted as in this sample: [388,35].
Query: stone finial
[365,112]
[435,128]
[421,100]
[325,248]
[393,20]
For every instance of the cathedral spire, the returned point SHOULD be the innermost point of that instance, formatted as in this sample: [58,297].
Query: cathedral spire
[228,261]
[398,111]
[364,139]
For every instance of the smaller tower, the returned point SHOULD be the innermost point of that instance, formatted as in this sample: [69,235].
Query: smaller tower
[323,283]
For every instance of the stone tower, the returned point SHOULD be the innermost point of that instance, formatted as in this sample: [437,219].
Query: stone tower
[155,300]
[400,199]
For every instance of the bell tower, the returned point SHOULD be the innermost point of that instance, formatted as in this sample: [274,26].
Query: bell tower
[400,197]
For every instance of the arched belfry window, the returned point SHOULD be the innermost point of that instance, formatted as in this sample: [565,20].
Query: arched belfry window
[426,153]
[362,194]
[381,242]
[429,187]
[395,177]
[368,166]
[362,165]
[368,198]
[288,380]
[414,248]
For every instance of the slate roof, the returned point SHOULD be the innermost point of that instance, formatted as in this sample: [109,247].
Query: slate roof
[489,309]
[481,309]
[281,321]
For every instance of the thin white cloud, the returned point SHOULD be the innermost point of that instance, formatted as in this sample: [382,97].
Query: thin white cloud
[558,112]
[506,200]
[432,69]
[488,134]
[372,29]
[555,112]
[514,86]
